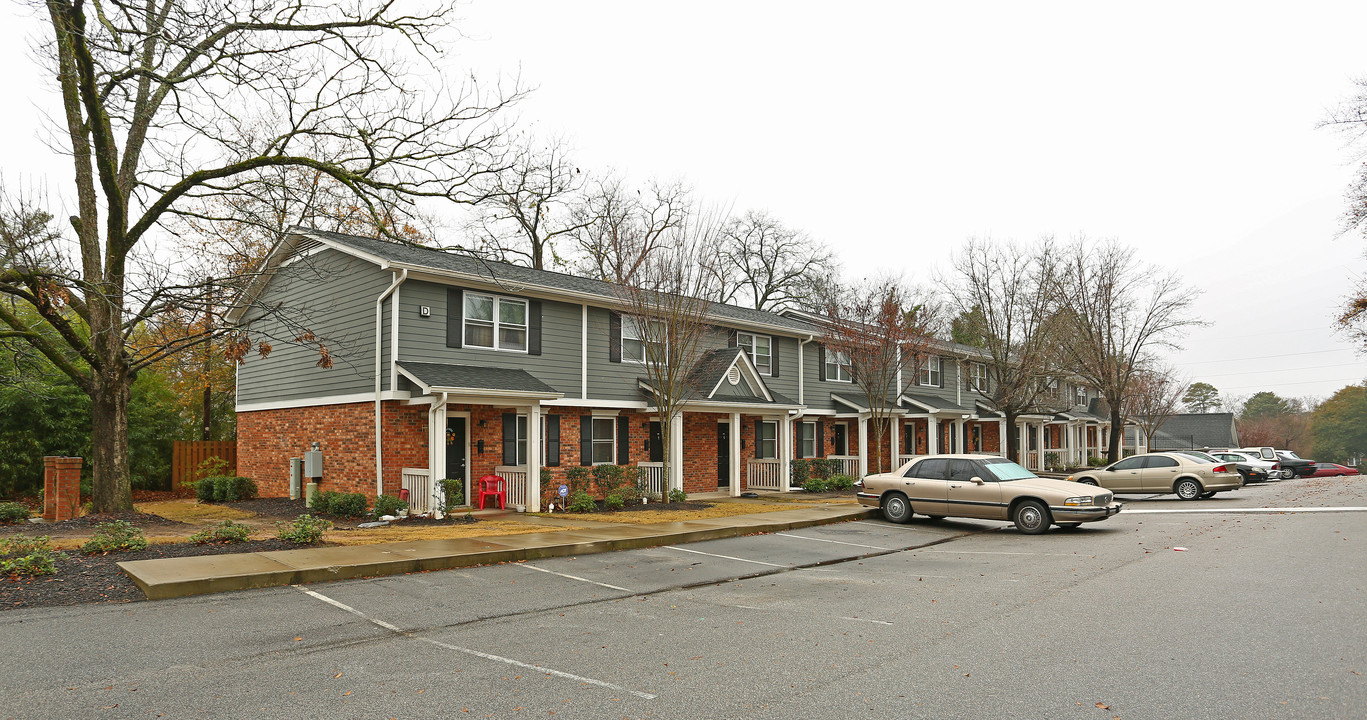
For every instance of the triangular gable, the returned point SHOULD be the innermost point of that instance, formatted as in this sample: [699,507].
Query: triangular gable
[748,375]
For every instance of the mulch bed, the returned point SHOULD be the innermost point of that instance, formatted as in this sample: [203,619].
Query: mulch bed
[84,579]
[84,524]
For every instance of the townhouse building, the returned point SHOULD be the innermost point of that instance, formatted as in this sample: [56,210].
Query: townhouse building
[441,365]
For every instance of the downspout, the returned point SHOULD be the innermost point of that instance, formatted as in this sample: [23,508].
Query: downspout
[379,325]
[802,372]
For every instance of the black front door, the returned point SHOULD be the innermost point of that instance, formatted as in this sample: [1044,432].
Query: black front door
[723,455]
[657,446]
[455,448]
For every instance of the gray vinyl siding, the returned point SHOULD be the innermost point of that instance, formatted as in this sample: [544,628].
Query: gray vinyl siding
[423,339]
[785,349]
[333,296]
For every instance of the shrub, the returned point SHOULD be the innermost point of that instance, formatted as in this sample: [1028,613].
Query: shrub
[801,470]
[824,467]
[614,500]
[1052,461]
[577,477]
[387,505]
[224,488]
[454,490]
[12,512]
[305,530]
[677,495]
[338,504]
[816,485]
[115,536]
[1094,461]
[607,477]
[840,482]
[581,502]
[224,532]
[27,556]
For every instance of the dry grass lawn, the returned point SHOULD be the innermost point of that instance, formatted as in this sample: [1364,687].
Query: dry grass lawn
[651,517]
[483,528]
[195,513]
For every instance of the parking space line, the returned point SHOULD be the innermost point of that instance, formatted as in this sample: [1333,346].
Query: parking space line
[724,557]
[1239,511]
[996,552]
[880,622]
[475,653]
[837,542]
[572,577]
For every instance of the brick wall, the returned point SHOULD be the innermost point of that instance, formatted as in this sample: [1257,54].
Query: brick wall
[61,488]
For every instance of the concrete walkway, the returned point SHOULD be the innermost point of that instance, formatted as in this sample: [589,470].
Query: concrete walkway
[180,577]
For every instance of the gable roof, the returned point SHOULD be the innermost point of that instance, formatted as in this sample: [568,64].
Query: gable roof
[711,372]
[442,377]
[516,278]
[1196,430]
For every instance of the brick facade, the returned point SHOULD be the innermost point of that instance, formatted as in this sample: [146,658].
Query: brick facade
[61,488]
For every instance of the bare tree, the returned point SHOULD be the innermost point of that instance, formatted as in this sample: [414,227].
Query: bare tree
[1350,119]
[1155,394]
[533,204]
[666,300]
[874,331]
[1115,314]
[620,228]
[1009,290]
[167,105]
[768,266]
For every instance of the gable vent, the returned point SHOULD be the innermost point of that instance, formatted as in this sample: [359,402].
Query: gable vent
[733,375]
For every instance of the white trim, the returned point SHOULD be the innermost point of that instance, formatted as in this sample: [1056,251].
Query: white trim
[584,352]
[365,397]
[754,335]
[592,403]
[751,374]
[296,257]
[604,413]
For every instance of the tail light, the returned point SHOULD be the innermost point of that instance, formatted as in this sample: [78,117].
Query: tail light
[1276,466]
[1220,468]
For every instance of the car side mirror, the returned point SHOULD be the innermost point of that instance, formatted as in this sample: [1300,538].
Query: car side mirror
[976,480]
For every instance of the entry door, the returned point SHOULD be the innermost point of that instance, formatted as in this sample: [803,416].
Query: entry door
[657,446]
[455,449]
[723,454]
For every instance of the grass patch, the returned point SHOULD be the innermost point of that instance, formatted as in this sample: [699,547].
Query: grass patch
[651,517]
[189,511]
[392,533]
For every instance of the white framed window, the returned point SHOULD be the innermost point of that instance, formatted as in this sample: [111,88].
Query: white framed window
[634,344]
[1051,387]
[977,376]
[495,322]
[760,348]
[930,372]
[806,439]
[521,440]
[604,440]
[767,447]
[837,366]
[1081,395]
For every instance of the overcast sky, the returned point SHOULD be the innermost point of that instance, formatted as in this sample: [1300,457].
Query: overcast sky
[894,131]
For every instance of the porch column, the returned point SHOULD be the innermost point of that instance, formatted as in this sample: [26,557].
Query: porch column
[1023,443]
[534,458]
[863,447]
[1068,444]
[734,439]
[785,452]
[1039,435]
[1001,437]
[895,431]
[932,435]
[961,435]
[675,479]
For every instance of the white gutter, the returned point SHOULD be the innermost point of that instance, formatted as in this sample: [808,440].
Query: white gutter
[584,352]
[379,324]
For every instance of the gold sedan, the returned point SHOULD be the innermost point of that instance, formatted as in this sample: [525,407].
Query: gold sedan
[983,486]
[1183,473]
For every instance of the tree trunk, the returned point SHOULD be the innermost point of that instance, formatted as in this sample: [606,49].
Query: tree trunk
[1117,433]
[1012,438]
[109,395]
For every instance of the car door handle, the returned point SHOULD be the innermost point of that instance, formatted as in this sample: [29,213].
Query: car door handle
[956,486]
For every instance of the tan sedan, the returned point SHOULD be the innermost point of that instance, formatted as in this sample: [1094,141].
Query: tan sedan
[983,486]
[1190,477]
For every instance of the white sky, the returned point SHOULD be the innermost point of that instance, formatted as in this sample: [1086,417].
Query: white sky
[894,131]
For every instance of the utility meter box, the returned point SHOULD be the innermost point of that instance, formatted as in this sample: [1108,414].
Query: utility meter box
[313,464]
[296,478]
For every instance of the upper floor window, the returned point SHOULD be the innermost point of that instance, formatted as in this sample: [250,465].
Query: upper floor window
[977,376]
[635,341]
[930,372]
[1081,395]
[494,322]
[1051,387]
[837,366]
[759,348]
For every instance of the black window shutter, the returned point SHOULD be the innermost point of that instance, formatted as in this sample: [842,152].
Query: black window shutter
[820,439]
[552,458]
[455,311]
[533,327]
[509,438]
[623,441]
[821,362]
[798,427]
[759,435]
[730,337]
[614,337]
[773,357]
[585,439]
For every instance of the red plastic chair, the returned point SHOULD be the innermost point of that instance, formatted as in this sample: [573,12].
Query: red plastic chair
[492,486]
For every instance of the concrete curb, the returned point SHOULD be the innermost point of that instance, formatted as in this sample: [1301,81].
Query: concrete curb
[201,575]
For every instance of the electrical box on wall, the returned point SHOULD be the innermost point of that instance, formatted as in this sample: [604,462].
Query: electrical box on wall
[313,462]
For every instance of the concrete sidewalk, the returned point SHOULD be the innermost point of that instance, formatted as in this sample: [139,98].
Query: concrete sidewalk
[181,577]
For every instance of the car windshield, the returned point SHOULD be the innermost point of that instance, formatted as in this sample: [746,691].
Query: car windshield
[1004,469]
[1199,456]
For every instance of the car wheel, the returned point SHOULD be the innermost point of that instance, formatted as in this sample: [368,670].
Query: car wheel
[1070,526]
[1286,474]
[1031,518]
[896,508]
[1207,494]
[1188,489]
[1088,481]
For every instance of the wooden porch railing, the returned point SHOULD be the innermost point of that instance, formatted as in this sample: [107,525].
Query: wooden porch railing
[849,464]
[653,474]
[515,485]
[764,475]
[421,493]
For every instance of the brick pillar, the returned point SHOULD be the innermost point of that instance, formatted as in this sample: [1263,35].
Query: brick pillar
[61,488]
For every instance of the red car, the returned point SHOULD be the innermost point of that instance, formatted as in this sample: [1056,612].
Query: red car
[1331,470]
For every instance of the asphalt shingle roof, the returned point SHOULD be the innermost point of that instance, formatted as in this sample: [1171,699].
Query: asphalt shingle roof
[1196,430]
[440,375]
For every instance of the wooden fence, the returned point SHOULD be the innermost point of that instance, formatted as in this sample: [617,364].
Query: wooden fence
[186,455]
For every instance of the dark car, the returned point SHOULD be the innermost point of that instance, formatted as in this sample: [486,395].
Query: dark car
[1294,465]
[1332,470]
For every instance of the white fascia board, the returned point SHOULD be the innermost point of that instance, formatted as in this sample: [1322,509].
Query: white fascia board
[278,256]
[368,397]
[592,403]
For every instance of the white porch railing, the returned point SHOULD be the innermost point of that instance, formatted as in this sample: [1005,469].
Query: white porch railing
[849,464]
[763,474]
[1032,460]
[418,483]
[653,475]
[904,459]
[515,484]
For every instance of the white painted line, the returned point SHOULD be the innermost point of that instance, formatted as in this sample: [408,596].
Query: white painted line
[880,622]
[538,668]
[476,653]
[724,557]
[1244,510]
[573,577]
[837,542]
[992,552]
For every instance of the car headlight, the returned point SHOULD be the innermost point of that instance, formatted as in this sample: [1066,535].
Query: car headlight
[1078,501]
